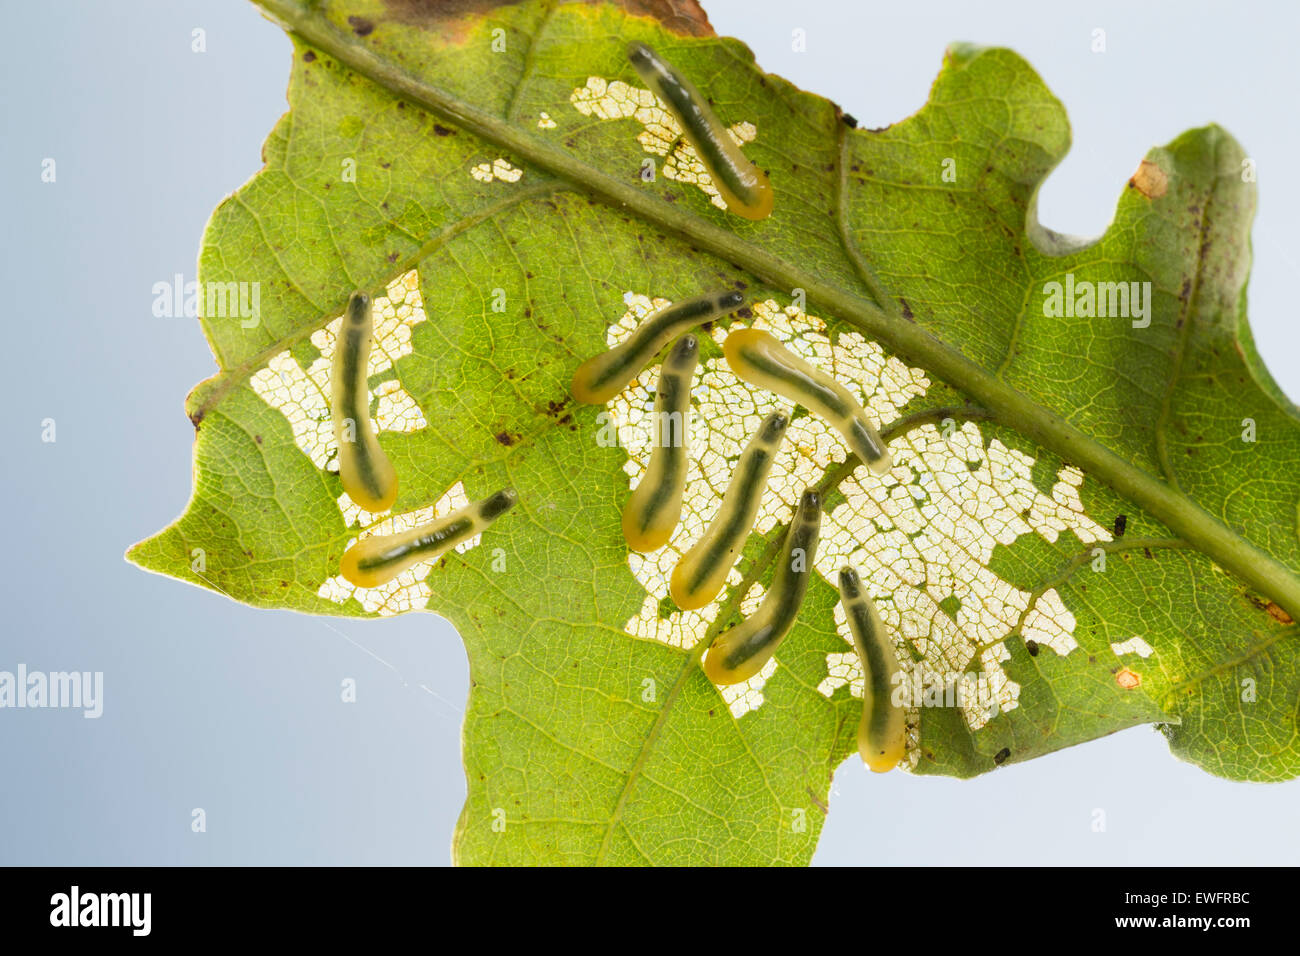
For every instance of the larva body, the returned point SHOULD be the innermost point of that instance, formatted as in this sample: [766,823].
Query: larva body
[702,571]
[603,376]
[740,653]
[378,559]
[368,476]
[882,734]
[761,360]
[651,513]
[743,186]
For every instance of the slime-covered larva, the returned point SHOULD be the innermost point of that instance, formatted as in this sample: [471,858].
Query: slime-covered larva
[703,569]
[651,513]
[378,559]
[740,653]
[368,476]
[744,187]
[761,360]
[603,376]
[882,734]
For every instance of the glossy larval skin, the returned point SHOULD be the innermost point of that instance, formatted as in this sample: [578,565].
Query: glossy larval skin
[760,359]
[368,476]
[740,653]
[655,506]
[744,187]
[603,376]
[702,571]
[380,558]
[882,732]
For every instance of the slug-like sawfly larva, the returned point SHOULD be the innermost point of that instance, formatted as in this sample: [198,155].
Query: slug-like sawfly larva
[651,514]
[882,734]
[740,653]
[368,476]
[378,559]
[743,186]
[761,360]
[603,376]
[701,572]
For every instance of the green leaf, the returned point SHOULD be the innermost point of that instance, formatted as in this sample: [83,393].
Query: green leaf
[485,168]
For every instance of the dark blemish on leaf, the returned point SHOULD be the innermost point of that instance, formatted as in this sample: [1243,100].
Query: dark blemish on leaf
[1150,180]
[907,309]
[880,129]
[564,420]
[1121,525]
[1092,659]
[849,120]
[392,257]
[258,439]
[741,284]
[309,56]
[440,130]
[196,418]
[1273,610]
[505,438]
[361,26]
[745,313]
[1000,757]
[528,275]
[1032,647]
[528,312]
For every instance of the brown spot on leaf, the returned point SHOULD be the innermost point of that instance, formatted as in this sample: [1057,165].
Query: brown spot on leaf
[505,438]
[1128,679]
[309,56]
[1000,757]
[361,26]
[440,130]
[1275,611]
[1150,180]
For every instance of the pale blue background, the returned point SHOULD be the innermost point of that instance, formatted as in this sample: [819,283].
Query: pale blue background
[211,704]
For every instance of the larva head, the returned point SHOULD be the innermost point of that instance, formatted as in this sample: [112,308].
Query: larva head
[772,430]
[494,506]
[810,507]
[645,61]
[684,356]
[730,301]
[358,307]
[850,584]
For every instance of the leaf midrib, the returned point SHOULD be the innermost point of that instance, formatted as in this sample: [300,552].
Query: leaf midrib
[906,339]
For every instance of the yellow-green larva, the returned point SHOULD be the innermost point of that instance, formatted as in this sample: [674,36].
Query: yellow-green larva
[378,559]
[761,360]
[703,569]
[740,653]
[651,513]
[368,476]
[603,376]
[882,733]
[744,187]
